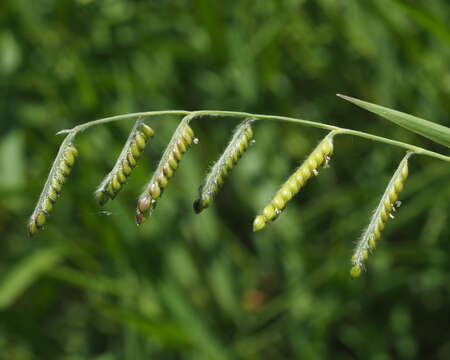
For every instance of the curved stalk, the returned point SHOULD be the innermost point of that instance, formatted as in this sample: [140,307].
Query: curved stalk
[200,113]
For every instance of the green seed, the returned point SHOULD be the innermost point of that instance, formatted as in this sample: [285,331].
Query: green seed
[167,170]
[269,213]
[249,133]
[405,172]
[140,141]
[172,162]
[327,148]
[224,171]
[111,190]
[131,160]
[355,271]
[32,228]
[319,157]
[56,185]
[306,173]
[365,255]
[230,164]
[135,151]
[259,223]
[59,176]
[312,163]
[293,185]
[155,190]
[384,215]
[64,169]
[392,196]
[299,178]
[74,151]
[187,137]
[181,146]
[52,195]
[189,131]
[162,181]
[398,185]
[377,233]
[244,144]
[235,157]
[126,168]
[69,158]
[176,154]
[102,198]
[286,193]
[219,180]
[278,202]
[40,219]
[121,176]
[146,130]
[372,243]
[47,205]
[115,184]
[206,202]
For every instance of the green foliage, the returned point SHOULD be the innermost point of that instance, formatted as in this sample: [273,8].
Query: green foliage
[205,286]
[433,131]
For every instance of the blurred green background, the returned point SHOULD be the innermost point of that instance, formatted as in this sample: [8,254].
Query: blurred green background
[183,286]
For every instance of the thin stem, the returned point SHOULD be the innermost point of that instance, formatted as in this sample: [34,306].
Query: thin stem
[415,149]
[84,126]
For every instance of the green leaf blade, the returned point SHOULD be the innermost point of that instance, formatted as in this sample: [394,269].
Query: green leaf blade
[26,272]
[436,132]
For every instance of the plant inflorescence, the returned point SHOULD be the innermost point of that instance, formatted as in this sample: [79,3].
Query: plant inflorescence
[184,137]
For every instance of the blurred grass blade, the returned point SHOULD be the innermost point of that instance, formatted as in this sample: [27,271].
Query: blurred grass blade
[436,132]
[426,19]
[25,273]
[199,332]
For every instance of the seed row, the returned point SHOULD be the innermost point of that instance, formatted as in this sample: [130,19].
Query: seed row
[242,137]
[381,215]
[319,157]
[53,188]
[178,145]
[127,160]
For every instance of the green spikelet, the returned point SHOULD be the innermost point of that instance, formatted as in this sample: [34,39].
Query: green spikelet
[387,204]
[242,137]
[131,152]
[319,157]
[181,141]
[57,177]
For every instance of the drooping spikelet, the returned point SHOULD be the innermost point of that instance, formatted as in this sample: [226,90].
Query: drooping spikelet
[242,137]
[127,160]
[319,157]
[379,218]
[57,177]
[181,140]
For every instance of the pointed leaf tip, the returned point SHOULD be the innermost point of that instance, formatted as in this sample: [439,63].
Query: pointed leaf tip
[433,131]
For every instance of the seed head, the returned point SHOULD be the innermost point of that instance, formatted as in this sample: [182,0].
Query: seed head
[57,177]
[368,241]
[181,141]
[295,182]
[224,165]
[132,150]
